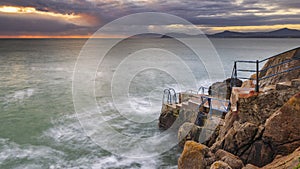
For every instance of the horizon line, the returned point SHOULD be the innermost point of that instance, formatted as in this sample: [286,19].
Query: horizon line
[106,36]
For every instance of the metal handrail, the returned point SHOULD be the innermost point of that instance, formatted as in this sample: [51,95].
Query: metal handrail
[209,99]
[263,60]
[202,88]
[257,62]
[174,94]
[285,71]
[284,62]
[171,96]
[167,91]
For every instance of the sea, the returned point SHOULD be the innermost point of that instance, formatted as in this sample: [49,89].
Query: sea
[43,123]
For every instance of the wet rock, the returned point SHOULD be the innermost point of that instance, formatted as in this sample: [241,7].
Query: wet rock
[209,128]
[289,161]
[282,128]
[188,131]
[192,156]
[215,134]
[232,160]
[223,89]
[167,117]
[220,165]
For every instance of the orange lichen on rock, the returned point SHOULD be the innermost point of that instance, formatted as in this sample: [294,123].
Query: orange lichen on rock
[192,156]
[294,102]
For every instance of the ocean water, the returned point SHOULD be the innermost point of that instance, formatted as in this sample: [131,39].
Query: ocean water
[39,127]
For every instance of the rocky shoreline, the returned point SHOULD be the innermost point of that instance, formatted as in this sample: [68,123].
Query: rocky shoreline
[261,129]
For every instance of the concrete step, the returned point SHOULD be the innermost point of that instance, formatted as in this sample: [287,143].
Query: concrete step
[196,100]
[193,105]
[283,85]
[179,106]
[172,106]
[185,105]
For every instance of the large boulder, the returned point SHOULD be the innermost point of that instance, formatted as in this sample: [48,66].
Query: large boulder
[243,140]
[193,156]
[232,160]
[290,161]
[239,137]
[223,89]
[188,131]
[258,109]
[282,128]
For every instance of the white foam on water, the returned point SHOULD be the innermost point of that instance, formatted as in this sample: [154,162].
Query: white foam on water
[68,133]
[19,95]
[55,69]
[10,151]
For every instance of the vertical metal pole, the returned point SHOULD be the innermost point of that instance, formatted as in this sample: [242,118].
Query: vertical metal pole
[210,107]
[235,74]
[257,78]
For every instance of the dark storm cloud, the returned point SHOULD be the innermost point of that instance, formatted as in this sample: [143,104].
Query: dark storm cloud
[20,26]
[205,12]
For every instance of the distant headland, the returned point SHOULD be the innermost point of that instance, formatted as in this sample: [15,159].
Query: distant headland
[280,33]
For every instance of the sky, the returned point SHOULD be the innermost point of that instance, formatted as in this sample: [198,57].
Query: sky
[81,18]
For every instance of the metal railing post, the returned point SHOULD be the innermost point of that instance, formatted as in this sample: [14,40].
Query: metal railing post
[235,74]
[257,78]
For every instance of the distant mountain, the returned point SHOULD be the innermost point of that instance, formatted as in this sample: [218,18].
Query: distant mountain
[285,32]
[227,34]
[281,33]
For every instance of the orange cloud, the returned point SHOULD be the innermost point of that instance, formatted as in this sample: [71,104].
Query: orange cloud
[77,19]
[45,36]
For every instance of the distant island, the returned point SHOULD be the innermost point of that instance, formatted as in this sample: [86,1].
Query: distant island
[280,33]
